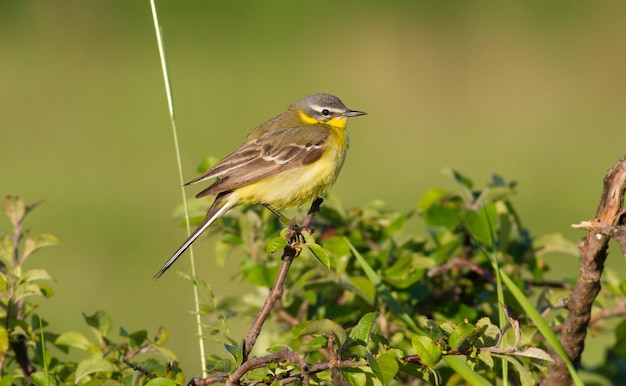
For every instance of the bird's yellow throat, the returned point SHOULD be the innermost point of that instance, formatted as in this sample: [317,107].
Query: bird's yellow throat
[337,122]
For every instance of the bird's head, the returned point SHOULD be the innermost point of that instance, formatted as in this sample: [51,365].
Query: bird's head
[323,108]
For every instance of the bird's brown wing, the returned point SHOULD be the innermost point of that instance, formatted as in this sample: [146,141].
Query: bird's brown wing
[272,153]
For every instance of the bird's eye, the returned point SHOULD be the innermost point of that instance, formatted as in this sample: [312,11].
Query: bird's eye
[325,112]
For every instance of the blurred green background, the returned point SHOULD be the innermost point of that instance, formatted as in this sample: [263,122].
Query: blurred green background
[533,91]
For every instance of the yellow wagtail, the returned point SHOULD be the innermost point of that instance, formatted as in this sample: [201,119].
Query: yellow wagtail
[289,160]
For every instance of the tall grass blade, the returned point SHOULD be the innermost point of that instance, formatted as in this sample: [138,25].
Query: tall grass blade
[170,103]
[542,326]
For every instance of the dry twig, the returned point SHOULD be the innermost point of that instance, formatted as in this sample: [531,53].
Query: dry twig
[593,249]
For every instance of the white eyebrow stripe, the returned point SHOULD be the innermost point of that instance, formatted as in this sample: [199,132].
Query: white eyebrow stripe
[317,107]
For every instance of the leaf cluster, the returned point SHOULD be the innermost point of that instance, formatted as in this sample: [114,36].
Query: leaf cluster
[426,299]
[368,301]
[26,339]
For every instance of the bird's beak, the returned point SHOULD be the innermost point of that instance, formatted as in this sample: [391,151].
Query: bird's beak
[354,113]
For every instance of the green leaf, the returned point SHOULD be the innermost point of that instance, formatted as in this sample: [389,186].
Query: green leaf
[101,322]
[384,367]
[363,287]
[4,341]
[361,332]
[235,351]
[37,242]
[161,382]
[220,365]
[323,327]
[428,351]
[137,338]
[407,270]
[460,334]
[458,177]
[320,253]
[490,333]
[486,357]
[6,250]
[37,274]
[161,336]
[275,244]
[384,291]
[359,376]
[6,380]
[103,382]
[93,365]
[73,339]
[481,222]
[397,224]
[429,198]
[317,250]
[40,378]
[46,290]
[444,216]
[26,289]
[317,343]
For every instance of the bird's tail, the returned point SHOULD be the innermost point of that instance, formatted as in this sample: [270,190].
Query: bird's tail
[220,206]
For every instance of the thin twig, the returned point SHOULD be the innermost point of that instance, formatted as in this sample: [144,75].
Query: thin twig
[276,293]
[291,251]
[601,316]
[139,368]
[319,367]
[282,356]
[454,263]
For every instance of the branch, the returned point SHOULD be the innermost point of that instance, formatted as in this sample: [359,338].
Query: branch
[601,316]
[282,356]
[593,249]
[291,251]
[617,232]
[276,293]
[456,262]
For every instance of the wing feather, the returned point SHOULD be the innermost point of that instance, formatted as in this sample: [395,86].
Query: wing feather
[268,155]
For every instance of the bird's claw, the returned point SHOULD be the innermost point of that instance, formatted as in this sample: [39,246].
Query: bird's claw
[295,236]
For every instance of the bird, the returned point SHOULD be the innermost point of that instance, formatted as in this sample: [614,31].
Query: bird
[287,161]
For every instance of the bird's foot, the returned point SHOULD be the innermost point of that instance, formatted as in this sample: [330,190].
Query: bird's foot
[295,236]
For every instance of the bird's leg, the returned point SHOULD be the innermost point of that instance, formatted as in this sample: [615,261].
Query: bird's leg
[281,217]
[275,211]
[294,234]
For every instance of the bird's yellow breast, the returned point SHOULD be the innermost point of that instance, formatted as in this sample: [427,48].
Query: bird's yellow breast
[299,185]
